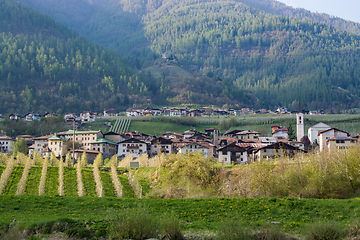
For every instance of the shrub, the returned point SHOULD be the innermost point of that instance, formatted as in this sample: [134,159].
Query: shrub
[14,233]
[171,228]
[323,231]
[232,230]
[138,223]
[133,224]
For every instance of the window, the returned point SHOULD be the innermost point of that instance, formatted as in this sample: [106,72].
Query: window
[264,150]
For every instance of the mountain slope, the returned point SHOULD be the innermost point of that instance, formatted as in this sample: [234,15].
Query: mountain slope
[44,66]
[229,45]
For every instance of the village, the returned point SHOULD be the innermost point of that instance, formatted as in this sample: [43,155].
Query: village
[234,147]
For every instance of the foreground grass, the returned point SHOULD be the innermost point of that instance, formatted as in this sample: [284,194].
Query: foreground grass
[198,214]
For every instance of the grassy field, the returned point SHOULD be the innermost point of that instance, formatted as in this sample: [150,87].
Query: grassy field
[196,214]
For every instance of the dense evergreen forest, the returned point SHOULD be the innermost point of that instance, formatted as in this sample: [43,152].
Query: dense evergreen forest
[221,52]
[44,66]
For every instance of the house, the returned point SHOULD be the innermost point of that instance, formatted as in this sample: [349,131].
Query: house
[70,116]
[107,147]
[48,114]
[226,141]
[113,136]
[328,134]
[134,112]
[83,137]
[313,132]
[194,113]
[232,133]
[46,153]
[110,112]
[175,112]
[278,131]
[6,143]
[28,139]
[267,140]
[233,153]
[298,144]
[57,145]
[32,117]
[156,112]
[274,151]
[210,131]
[206,148]
[282,110]
[88,116]
[160,145]
[132,146]
[341,142]
[172,135]
[15,117]
[252,135]
[40,143]
[90,154]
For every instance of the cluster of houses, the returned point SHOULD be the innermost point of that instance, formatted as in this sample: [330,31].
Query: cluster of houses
[206,111]
[237,146]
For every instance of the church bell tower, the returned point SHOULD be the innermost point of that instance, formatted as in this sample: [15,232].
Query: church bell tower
[299,124]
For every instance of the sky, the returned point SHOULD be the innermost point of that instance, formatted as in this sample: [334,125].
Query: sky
[346,9]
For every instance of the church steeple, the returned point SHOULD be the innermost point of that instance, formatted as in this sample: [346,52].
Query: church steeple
[299,123]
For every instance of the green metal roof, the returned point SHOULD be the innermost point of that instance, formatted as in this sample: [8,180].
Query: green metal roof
[103,140]
[58,138]
[81,132]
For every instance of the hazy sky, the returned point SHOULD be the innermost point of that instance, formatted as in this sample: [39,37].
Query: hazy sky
[346,9]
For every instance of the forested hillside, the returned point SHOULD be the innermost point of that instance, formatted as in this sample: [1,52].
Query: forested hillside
[44,66]
[223,52]
[279,59]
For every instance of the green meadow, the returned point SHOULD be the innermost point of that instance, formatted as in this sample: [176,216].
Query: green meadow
[291,214]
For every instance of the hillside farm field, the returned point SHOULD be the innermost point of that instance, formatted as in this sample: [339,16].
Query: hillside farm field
[197,215]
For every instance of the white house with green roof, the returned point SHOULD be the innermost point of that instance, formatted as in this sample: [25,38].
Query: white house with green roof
[57,145]
[84,137]
[107,147]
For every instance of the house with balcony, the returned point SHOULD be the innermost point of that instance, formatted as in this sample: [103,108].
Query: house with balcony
[233,153]
[132,146]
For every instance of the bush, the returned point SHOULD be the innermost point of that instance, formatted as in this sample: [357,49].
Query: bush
[171,227]
[138,223]
[323,231]
[14,233]
[232,230]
